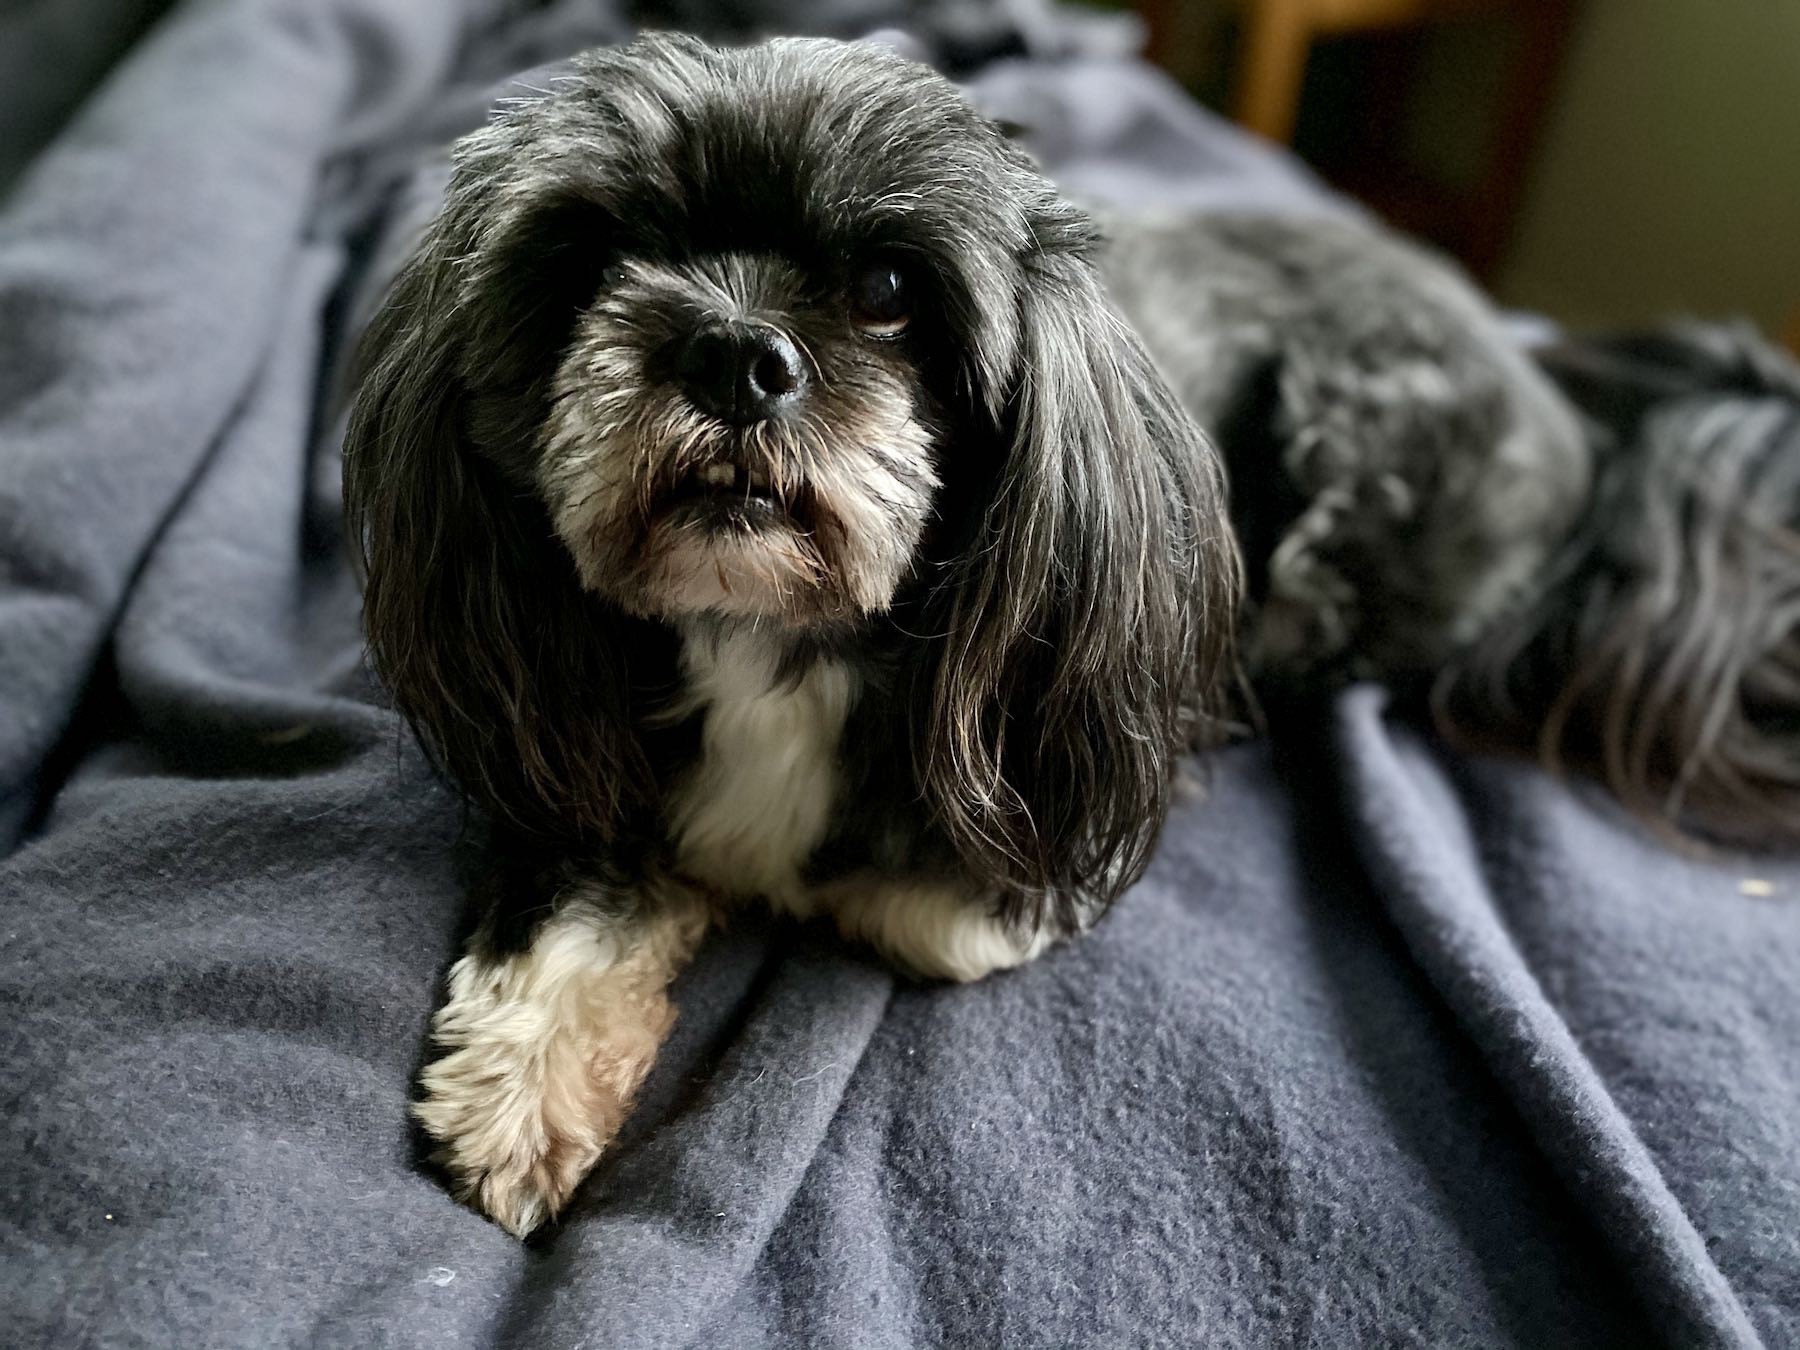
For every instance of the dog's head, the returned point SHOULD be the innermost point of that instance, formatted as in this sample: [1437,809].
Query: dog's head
[787,334]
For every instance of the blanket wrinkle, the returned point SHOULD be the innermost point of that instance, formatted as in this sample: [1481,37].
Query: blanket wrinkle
[1689,979]
[752,1255]
[270,638]
[1370,1034]
[1435,893]
[90,242]
[52,56]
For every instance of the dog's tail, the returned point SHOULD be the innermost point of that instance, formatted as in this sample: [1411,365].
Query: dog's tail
[1662,654]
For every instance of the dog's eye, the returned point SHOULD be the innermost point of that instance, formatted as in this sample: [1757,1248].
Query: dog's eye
[612,276]
[880,303]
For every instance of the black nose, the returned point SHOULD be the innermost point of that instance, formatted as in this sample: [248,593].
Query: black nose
[740,372]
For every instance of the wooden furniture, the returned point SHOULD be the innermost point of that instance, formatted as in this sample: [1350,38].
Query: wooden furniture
[1277,39]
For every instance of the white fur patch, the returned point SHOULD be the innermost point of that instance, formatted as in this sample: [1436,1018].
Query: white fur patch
[760,799]
[933,928]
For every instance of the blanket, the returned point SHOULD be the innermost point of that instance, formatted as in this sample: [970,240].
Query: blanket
[1389,1046]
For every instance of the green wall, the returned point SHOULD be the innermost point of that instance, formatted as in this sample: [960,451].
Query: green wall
[1669,177]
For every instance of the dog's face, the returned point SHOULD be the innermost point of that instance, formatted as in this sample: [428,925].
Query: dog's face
[780,272]
[744,434]
[786,333]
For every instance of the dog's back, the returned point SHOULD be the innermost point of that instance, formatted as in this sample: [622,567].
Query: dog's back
[1400,471]
[1590,557]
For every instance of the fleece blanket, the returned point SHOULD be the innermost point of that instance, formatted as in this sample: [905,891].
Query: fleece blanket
[1389,1046]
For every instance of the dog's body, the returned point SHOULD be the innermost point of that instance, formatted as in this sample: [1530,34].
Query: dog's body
[760,498]
[1395,408]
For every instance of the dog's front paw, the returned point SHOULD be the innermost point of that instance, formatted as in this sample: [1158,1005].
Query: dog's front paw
[544,1051]
[515,1144]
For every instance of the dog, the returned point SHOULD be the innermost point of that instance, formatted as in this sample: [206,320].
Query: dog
[766,486]
[759,496]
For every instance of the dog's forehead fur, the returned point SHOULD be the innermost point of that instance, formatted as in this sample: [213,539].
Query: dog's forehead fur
[793,139]
[827,142]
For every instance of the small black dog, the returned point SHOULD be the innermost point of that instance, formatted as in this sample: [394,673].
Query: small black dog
[759,495]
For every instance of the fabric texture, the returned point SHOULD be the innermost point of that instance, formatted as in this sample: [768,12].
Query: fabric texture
[1389,1047]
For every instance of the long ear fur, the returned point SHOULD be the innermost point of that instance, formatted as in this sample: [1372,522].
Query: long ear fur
[1663,653]
[1090,621]
[512,676]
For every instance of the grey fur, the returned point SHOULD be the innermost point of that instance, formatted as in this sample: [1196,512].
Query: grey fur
[1419,503]
[1661,651]
[1400,470]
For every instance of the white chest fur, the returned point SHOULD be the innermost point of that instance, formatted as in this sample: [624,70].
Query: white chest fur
[760,798]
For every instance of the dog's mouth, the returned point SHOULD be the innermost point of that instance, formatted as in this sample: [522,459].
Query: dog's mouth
[732,536]
[726,494]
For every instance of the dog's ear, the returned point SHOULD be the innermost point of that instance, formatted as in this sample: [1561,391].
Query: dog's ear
[1090,619]
[513,677]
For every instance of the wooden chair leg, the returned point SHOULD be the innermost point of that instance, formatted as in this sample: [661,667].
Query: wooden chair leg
[1277,36]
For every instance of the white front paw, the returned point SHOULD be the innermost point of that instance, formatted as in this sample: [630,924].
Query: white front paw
[515,1148]
[545,1050]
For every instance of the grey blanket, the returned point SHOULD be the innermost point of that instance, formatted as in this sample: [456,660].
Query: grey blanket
[1389,1047]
